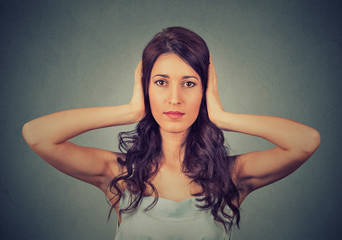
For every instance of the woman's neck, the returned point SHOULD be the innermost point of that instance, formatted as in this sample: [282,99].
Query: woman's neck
[173,151]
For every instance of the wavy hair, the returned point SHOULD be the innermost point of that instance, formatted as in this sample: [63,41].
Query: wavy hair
[206,160]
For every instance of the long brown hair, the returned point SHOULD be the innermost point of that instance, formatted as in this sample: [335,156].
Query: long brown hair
[206,159]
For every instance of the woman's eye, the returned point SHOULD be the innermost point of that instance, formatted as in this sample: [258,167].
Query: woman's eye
[189,84]
[161,83]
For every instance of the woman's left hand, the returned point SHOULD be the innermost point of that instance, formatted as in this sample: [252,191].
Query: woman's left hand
[295,142]
[214,105]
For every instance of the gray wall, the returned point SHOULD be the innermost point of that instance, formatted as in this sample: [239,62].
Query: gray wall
[280,58]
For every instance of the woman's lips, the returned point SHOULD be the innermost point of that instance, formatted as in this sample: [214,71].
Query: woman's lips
[174,115]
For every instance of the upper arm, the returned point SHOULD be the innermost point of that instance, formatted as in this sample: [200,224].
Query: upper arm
[92,165]
[257,169]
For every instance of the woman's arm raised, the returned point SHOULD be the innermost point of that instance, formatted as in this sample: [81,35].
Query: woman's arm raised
[48,136]
[295,142]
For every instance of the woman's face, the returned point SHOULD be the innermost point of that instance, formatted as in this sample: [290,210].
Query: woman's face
[175,93]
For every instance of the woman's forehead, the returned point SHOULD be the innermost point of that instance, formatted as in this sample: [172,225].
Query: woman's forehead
[173,66]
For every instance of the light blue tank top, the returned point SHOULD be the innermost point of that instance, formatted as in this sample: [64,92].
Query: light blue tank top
[168,220]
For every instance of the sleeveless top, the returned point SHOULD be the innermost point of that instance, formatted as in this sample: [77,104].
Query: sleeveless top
[168,220]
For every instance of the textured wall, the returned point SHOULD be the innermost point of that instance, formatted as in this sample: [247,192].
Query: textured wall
[280,58]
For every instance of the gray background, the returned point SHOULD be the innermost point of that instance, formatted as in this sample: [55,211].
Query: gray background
[280,58]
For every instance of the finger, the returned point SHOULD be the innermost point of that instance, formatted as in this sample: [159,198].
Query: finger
[212,69]
[212,75]
[139,64]
[138,72]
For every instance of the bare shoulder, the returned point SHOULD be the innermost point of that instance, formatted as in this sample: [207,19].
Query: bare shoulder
[114,169]
[254,170]
[236,168]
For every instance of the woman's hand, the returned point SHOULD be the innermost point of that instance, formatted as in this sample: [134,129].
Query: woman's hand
[137,100]
[49,137]
[295,142]
[214,105]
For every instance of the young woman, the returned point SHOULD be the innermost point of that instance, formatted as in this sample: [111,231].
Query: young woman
[174,178]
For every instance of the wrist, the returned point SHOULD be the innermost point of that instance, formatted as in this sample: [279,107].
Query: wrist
[222,120]
[135,113]
[216,117]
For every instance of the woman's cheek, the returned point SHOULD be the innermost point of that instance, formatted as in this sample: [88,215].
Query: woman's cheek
[193,108]
[156,103]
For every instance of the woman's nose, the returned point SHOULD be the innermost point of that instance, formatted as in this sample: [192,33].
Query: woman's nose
[175,95]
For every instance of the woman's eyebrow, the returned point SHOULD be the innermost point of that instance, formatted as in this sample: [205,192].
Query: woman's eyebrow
[185,77]
[167,76]
[161,75]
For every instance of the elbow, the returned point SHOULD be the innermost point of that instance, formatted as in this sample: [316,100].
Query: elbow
[28,134]
[306,146]
[313,140]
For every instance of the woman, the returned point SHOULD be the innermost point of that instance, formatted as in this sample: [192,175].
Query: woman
[174,178]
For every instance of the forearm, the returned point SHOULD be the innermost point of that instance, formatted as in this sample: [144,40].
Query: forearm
[285,133]
[61,126]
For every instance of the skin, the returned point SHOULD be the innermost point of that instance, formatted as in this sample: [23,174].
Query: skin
[49,135]
[171,90]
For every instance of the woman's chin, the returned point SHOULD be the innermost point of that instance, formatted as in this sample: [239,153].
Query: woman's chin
[174,128]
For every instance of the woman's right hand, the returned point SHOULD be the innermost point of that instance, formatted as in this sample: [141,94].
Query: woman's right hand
[137,101]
